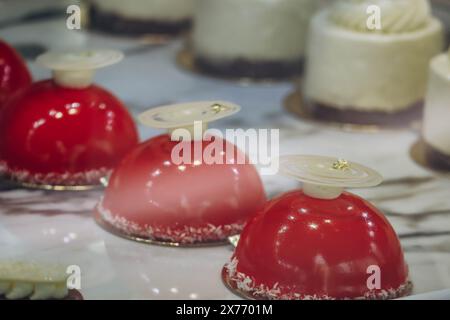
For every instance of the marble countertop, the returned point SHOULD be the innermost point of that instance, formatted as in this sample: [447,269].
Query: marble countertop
[58,226]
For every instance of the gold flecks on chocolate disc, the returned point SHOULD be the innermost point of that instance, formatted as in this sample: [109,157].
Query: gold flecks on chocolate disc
[341,164]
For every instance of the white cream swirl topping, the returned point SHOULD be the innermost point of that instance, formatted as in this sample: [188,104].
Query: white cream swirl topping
[19,280]
[396,16]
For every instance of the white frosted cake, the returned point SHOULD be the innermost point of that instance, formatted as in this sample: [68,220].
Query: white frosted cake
[357,74]
[251,38]
[436,127]
[142,16]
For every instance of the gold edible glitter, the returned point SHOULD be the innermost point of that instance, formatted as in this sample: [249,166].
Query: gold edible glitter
[216,108]
[341,164]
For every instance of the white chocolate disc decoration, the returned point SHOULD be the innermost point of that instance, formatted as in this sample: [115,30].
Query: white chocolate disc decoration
[75,69]
[187,115]
[79,60]
[326,177]
[19,280]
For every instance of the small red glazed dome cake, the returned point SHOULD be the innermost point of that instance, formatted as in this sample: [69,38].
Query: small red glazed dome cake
[168,190]
[14,74]
[319,242]
[65,132]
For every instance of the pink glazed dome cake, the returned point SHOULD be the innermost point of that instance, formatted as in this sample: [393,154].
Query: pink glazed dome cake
[155,198]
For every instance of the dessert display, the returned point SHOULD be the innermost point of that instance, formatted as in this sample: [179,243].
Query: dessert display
[436,127]
[65,132]
[33,281]
[253,38]
[359,74]
[188,187]
[142,17]
[185,187]
[319,242]
[14,74]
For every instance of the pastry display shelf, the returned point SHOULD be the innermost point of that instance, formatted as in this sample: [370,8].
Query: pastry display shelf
[59,226]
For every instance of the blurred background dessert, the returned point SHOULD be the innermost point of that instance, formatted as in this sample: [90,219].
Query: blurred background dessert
[368,76]
[142,17]
[436,128]
[252,38]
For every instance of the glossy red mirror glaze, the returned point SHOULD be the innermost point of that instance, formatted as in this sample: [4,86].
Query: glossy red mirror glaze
[60,136]
[300,247]
[150,197]
[14,74]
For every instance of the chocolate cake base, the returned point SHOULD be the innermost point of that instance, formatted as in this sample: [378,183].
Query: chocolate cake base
[436,159]
[72,295]
[351,115]
[114,23]
[244,68]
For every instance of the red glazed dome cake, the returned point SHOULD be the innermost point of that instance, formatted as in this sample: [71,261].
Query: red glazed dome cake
[14,74]
[66,131]
[319,242]
[153,197]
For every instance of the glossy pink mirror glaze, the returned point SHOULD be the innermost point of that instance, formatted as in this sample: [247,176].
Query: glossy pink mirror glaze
[14,74]
[300,247]
[149,196]
[60,136]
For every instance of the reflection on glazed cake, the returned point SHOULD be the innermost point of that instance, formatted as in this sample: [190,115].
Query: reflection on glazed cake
[142,17]
[359,75]
[252,38]
[14,74]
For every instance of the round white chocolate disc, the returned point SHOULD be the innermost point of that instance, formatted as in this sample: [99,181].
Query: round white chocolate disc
[79,60]
[328,171]
[185,114]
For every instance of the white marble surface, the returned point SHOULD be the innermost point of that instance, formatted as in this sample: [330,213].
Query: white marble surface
[58,227]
